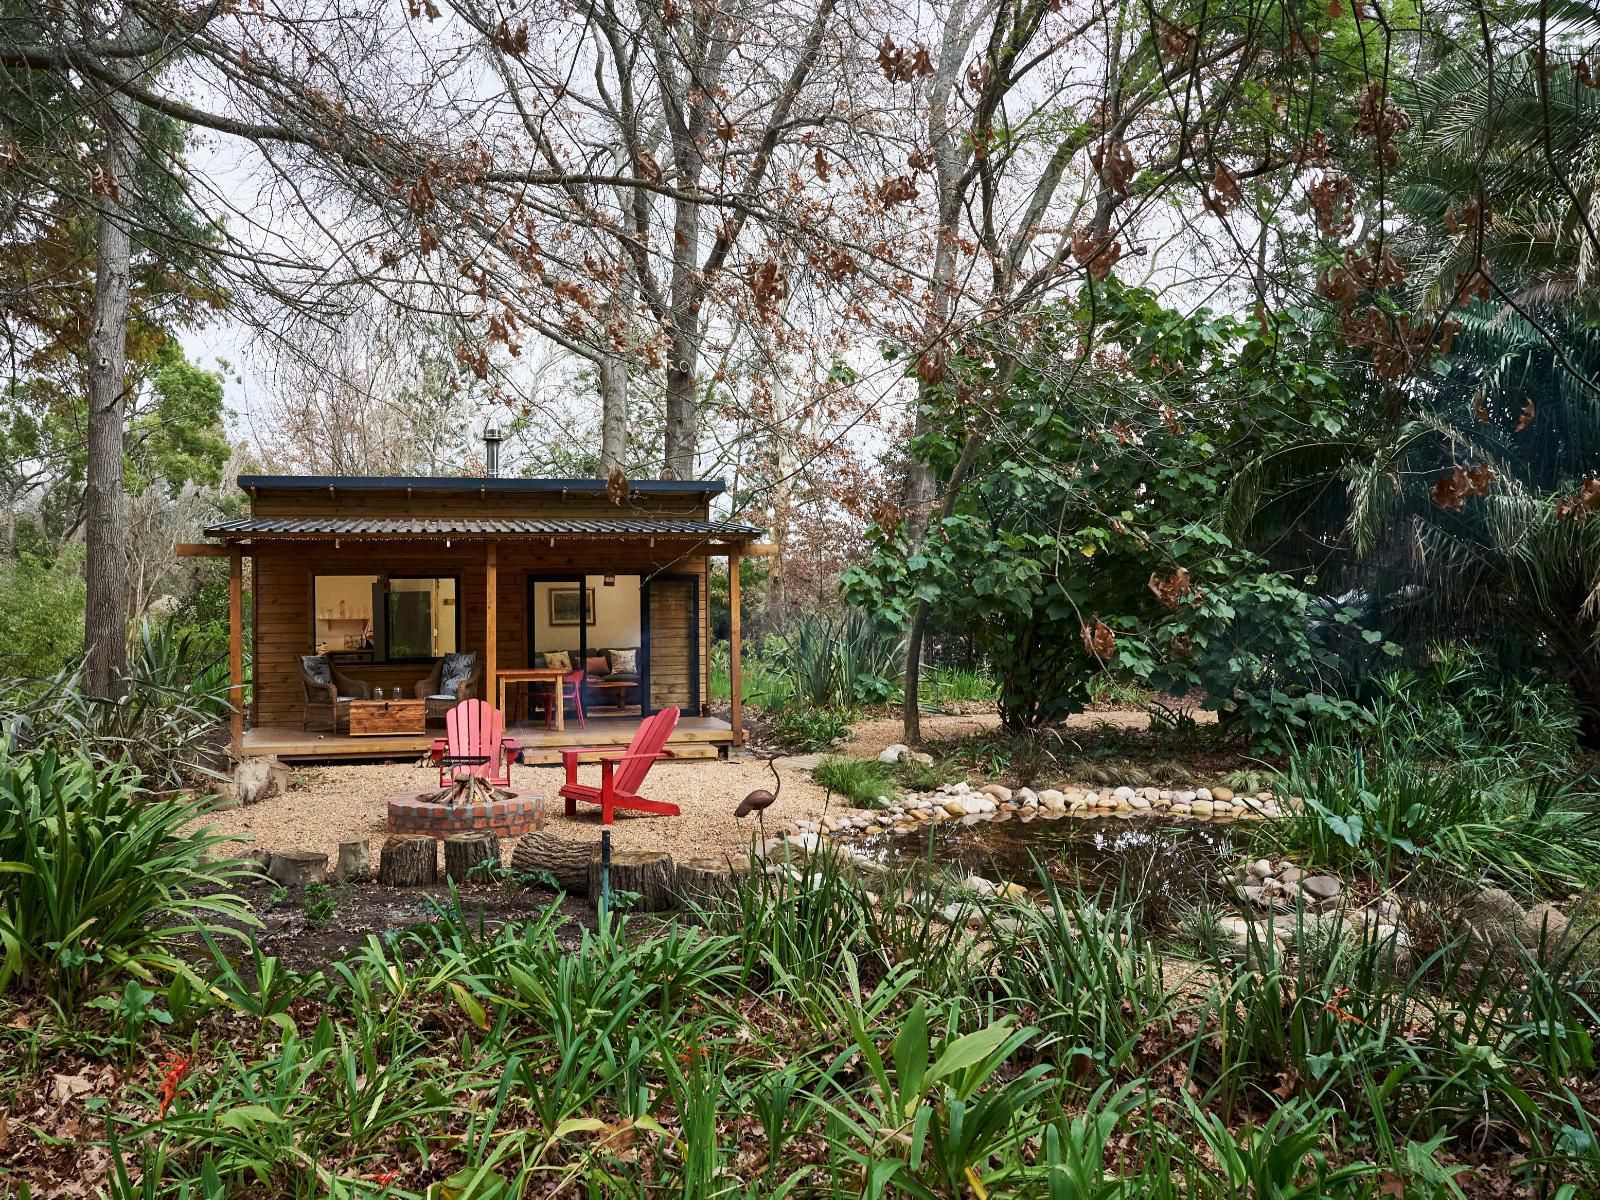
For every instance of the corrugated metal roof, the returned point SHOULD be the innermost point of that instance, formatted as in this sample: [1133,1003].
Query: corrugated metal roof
[466,527]
[468,483]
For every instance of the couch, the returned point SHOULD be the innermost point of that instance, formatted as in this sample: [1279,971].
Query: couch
[602,668]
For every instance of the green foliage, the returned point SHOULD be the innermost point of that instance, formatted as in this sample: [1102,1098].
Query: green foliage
[1389,808]
[802,728]
[168,725]
[837,662]
[101,877]
[1086,533]
[41,613]
[865,1045]
[863,782]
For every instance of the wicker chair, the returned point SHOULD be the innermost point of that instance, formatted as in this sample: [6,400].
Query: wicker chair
[440,700]
[328,693]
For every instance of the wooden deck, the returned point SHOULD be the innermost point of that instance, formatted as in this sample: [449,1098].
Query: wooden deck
[695,737]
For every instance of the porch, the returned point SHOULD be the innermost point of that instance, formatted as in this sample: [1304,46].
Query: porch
[694,737]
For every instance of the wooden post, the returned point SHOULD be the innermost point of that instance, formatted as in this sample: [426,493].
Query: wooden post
[735,650]
[236,650]
[491,622]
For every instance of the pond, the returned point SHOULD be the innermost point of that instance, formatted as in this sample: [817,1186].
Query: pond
[1161,866]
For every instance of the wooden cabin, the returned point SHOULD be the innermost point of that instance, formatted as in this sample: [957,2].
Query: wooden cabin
[386,580]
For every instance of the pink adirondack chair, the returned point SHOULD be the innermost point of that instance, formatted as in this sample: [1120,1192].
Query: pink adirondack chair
[621,774]
[474,729]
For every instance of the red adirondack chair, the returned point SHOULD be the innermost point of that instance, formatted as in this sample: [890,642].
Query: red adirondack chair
[474,729]
[621,774]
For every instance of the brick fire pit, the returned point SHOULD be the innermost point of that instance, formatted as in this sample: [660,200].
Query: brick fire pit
[419,813]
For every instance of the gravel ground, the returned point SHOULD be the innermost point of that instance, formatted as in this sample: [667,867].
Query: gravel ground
[331,804]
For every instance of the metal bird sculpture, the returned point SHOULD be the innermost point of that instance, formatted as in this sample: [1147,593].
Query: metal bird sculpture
[759,800]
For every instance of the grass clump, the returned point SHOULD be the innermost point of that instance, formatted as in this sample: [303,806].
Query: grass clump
[863,782]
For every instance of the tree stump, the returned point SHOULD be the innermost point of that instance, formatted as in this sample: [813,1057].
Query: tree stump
[645,873]
[705,882]
[565,861]
[463,852]
[408,862]
[301,867]
[355,862]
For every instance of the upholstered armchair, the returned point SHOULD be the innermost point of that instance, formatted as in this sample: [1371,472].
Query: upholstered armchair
[454,678]
[328,693]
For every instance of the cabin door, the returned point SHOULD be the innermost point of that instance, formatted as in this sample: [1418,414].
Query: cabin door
[671,612]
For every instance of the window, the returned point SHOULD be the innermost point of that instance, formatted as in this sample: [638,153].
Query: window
[422,619]
[395,618]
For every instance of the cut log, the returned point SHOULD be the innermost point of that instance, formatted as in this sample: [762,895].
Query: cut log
[297,867]
[465,852]
[564,860]
[355,862]
[706,882]
[647,874]
[408,862]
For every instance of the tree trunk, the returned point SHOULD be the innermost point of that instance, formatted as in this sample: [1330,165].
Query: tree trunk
[465,853]
[408,862]
[647,874]
[705,882]
[681,404]
[911,711]
[105,614]
[297,867]
[355,862]
[566,862]
[613,413]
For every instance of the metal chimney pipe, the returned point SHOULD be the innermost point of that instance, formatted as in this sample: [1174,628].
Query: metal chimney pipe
[491,450]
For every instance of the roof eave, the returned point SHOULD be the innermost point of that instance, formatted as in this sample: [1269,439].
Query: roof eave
[402,483]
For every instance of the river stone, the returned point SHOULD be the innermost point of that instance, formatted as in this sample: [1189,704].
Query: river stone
[1200,808]
[1053,798]
[1290,874]
[1203,794]
[1321,887]
[891,754]
[1544,925]
[1222,793]
[955,808]
[920,757]
[997,791]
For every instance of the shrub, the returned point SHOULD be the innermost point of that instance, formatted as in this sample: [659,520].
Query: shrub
[1386,808]
[168,725]
[859,780]
[799,727]
[102,877]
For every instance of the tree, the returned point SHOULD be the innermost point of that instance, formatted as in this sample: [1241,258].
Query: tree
[1084,538]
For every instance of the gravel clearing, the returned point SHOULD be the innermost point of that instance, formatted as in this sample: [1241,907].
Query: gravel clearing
[331,804]
[328,805]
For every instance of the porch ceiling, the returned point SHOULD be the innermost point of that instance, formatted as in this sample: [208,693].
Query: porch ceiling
[439,528]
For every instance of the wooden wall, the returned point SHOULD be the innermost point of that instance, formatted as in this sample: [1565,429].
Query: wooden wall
[283,574]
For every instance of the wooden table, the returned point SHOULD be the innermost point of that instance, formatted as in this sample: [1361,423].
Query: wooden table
[549,675]
[614,694]
[377,718]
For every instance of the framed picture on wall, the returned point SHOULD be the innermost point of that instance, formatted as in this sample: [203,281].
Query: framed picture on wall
[564,606]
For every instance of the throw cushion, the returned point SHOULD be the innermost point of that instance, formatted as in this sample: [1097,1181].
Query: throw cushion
[454,670]
[317,668]
[596,664]
[624,662]
[558,660]
[539,662]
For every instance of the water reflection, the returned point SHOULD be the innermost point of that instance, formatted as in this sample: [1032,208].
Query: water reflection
[1159,865]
